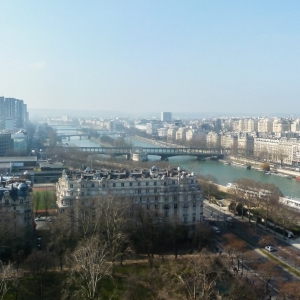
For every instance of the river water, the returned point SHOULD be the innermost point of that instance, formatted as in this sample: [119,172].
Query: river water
[223,173]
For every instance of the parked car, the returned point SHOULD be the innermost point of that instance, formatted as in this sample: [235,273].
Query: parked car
[270,248]
[38,218]
[49,219]
[215,229]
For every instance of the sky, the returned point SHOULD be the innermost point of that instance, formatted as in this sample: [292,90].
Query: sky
[239,57]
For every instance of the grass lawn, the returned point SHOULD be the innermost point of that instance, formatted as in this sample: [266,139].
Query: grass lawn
[42,198]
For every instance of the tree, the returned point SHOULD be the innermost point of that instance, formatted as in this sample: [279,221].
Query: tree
[235,248]
[114,216]
[289,291]
[208,184]
[199,275]
[38,263]
[8,278]
[88,266]
[202,236]
[146,231]
[265,166]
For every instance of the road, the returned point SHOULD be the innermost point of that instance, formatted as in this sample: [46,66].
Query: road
[249,232]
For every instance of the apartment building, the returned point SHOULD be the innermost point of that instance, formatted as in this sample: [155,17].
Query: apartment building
[265,125]
[278,150]
[172,134]
[181,134]
[229,140]
[174,193]
[281,125]
[16,208]
[6,143]
[213,140]
[13,113]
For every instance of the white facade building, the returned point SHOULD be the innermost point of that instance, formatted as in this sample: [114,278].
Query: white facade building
[173,193]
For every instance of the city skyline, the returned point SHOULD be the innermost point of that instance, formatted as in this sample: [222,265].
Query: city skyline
[215,58]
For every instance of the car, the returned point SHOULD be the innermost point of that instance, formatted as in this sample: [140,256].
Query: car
[49,219]
[270,248]
[215,229]
[38,218]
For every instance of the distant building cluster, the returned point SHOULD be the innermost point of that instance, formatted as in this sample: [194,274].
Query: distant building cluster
[272,139]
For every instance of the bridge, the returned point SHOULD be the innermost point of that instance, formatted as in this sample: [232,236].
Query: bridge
[164,153]
[68,136]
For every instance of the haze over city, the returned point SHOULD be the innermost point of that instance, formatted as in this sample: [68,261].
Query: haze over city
[219,57]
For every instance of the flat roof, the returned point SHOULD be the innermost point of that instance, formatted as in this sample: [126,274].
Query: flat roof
[18,159]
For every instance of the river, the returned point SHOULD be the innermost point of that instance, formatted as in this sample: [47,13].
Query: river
[223,173]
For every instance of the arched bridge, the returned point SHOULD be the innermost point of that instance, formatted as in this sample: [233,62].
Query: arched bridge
[164,153]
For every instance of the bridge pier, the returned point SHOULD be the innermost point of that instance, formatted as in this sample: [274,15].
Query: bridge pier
[80,137]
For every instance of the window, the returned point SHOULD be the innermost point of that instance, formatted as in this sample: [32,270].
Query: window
[14,208]
[155,190]
[103,185]
[194,204]
[155,183]
[147,191]
[147,183]
[139,191]
[141,198]
[165,183]
[114,185]
[122,184]
[156,198]
[71,185]
[93,185]
[82,185]
[148,207]
[156,206]
[175,205]
[192,181]
[139,183]
[130,184]
[174,197]
[173,181]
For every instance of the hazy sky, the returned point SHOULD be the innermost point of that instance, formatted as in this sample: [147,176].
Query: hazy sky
[134,56]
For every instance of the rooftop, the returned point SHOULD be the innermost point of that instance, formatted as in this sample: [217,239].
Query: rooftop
[132,174]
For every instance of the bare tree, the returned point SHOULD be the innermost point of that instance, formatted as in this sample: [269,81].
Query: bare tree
[88,266]
[198,275]
[289,291]
[38,263]
[8,278]
[114,216]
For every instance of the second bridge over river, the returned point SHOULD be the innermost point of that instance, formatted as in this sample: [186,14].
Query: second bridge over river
[164,153]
